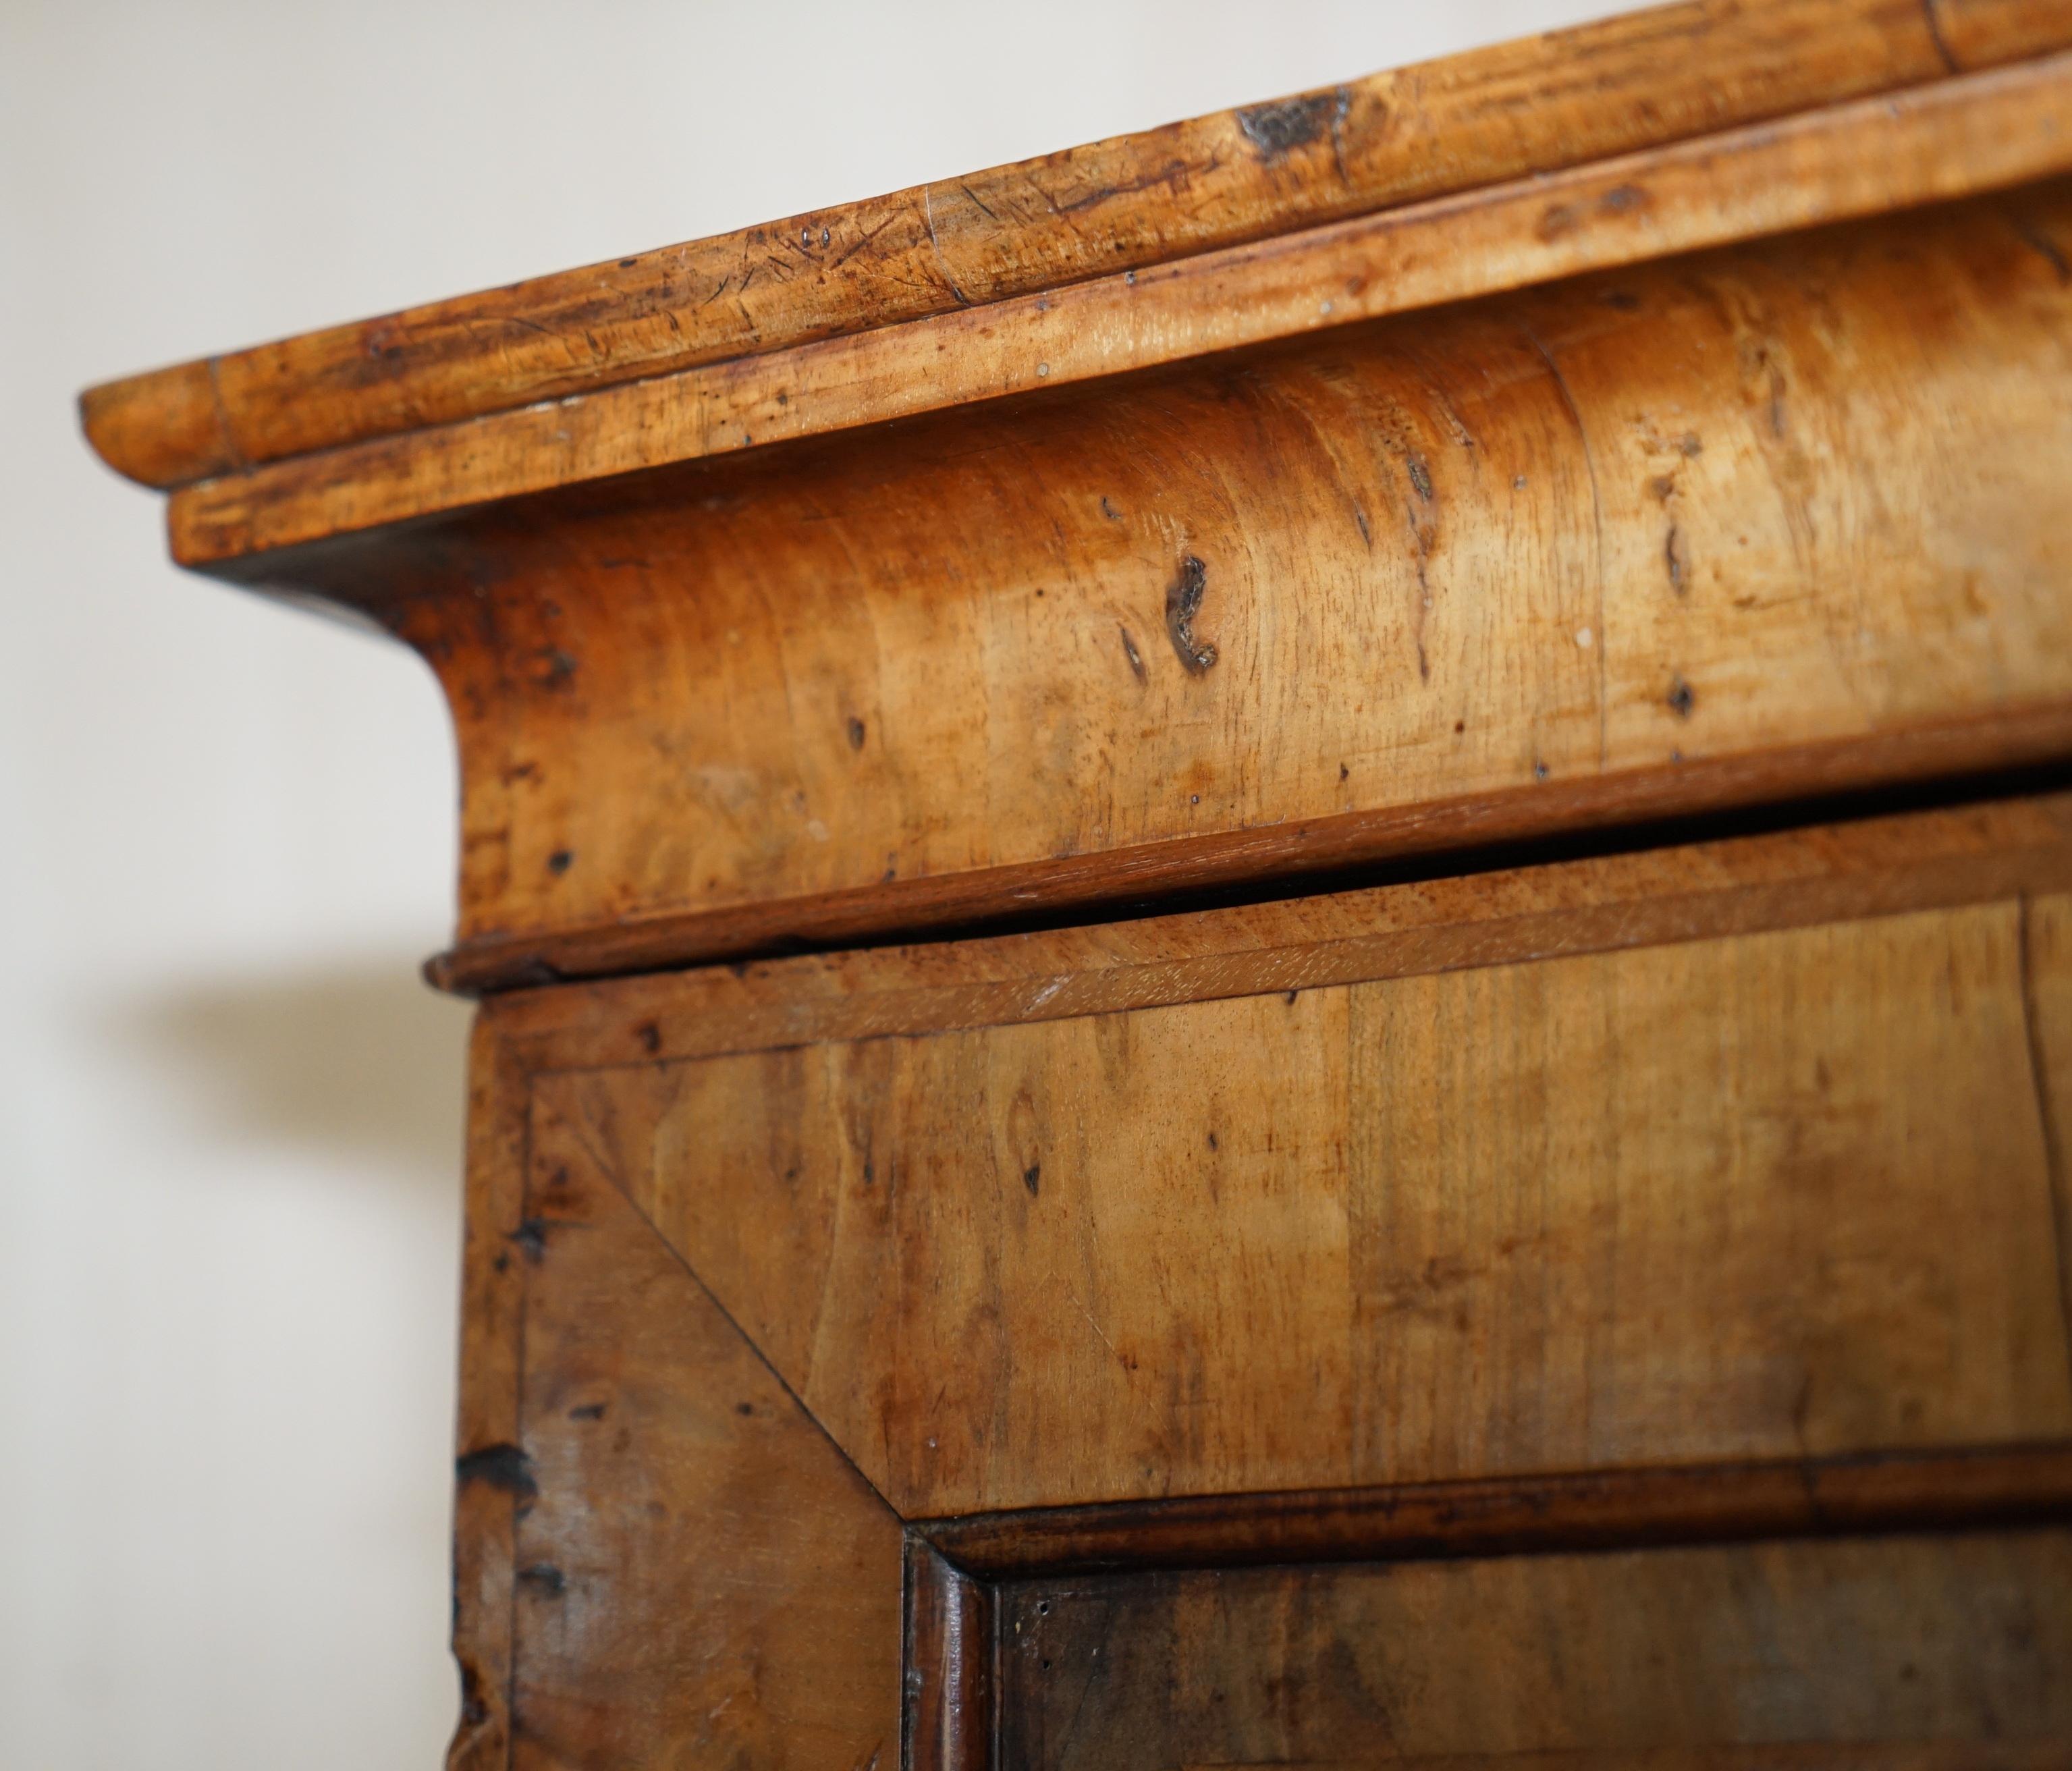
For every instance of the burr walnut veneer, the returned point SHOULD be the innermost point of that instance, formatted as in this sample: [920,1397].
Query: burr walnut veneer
[1274,923]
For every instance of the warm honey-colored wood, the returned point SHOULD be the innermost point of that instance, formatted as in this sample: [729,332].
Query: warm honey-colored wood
[1954,139]
[1683,1203]
[1462,830]
[1922,1653]
[1792,877]
[611,1314]
[700,1578]
[609,1310]
[1591,1283]
[1617,545]
[1537,105]
[602,1140]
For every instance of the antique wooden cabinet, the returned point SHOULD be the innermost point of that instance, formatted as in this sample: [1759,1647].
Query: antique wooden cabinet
[1274,923]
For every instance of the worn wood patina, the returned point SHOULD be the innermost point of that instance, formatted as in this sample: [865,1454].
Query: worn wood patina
[1275,922]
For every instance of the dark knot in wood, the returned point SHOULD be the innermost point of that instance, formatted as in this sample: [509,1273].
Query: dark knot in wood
[1183,603]
[1276,129]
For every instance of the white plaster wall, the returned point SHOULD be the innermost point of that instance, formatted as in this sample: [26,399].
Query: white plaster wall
[229,1115]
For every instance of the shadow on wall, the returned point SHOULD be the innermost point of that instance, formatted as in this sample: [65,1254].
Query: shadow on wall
[364,1062]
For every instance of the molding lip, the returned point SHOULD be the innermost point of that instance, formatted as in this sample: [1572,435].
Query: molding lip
[1862,1493]
[1631,83]
[967,903]
[162,429]
[1960,138]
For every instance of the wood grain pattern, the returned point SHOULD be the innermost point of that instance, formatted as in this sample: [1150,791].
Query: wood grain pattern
[1461,832]
[1790,877]
[1831,1085]
[605,1132]
[1908,1652]
[614,1315]
[1533,106]
[1958,138]
[1773,1195]
[726,691]
[702,1578]
[1217,1338]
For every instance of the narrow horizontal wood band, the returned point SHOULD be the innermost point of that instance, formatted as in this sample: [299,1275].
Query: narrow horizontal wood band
[1958,138]
[1873,1755]
[1792,878]
[1078,883]
[1533,106]
[1598,1509]
[1999,1754]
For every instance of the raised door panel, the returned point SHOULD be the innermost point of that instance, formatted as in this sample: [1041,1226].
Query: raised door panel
[1903,1654]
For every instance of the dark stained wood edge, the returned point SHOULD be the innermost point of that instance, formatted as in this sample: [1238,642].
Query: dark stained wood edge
[2050,1077]
[1513,110]
[1945,1490]
[969,901]
[1991,1755]
[946,1706]
[492,1477]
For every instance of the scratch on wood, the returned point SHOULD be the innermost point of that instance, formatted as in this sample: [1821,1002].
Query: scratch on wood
[1934,23]
[1129,650]
[2043,247]
[1673,554]
[935,246]
[1597,523]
